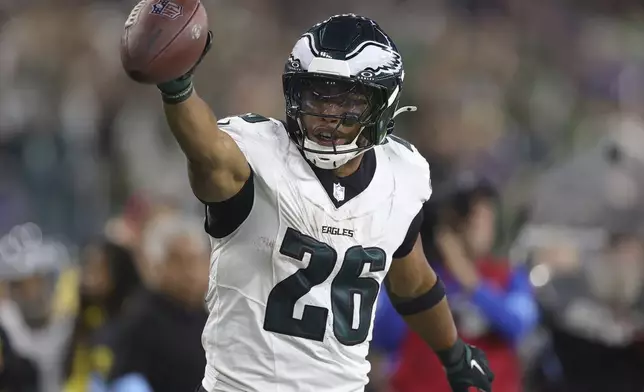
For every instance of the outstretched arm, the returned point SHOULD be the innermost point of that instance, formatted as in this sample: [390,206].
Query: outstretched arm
[217,167]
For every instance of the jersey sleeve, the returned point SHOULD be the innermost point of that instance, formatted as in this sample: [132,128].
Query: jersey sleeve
[258,138]
[410,238]
[413,185]
[262,140]
[412,168]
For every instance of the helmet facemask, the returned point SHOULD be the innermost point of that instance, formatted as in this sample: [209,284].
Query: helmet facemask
[333,119]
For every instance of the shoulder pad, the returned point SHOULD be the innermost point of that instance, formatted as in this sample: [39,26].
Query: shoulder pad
[261,139]
[410,163]
[253,128]
[402,142]
[248,120]
[404,150]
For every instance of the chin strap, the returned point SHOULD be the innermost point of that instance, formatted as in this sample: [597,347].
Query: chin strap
[404,109]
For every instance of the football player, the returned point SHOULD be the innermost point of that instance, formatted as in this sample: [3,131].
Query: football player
[310,217]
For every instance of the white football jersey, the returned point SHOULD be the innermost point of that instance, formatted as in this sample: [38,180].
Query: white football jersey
[293,289]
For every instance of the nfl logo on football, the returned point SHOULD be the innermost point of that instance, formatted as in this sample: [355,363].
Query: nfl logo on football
[167,9]
[338,192]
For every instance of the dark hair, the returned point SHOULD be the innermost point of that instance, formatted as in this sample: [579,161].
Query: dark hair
[461,194]
[452,206]
[125,279]
[123,274]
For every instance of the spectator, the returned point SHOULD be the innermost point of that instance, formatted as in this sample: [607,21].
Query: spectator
[156,344]
[108,279]
[593,318]
[491,302]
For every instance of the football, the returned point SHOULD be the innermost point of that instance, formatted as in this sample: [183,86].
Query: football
[163,39]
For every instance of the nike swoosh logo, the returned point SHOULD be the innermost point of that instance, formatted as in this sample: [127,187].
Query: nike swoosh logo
[476,365]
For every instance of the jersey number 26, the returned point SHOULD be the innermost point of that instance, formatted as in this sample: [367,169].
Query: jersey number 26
[352,296]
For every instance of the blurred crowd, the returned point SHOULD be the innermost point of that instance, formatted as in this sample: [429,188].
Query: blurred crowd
[530,114]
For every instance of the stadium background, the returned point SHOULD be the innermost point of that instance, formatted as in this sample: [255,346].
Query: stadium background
[542,98]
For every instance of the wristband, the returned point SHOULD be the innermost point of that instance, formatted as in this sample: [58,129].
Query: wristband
[176,91]
[453,355]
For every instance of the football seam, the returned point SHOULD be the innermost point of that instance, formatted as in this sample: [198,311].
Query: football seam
[175,37]
[126,38]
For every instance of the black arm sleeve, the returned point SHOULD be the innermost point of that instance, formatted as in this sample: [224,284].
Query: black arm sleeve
[410,238]
[224,217]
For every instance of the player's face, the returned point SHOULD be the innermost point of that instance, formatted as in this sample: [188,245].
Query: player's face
[333,111]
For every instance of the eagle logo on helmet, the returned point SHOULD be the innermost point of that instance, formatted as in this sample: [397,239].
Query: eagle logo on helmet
[390,64]
[369,60]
